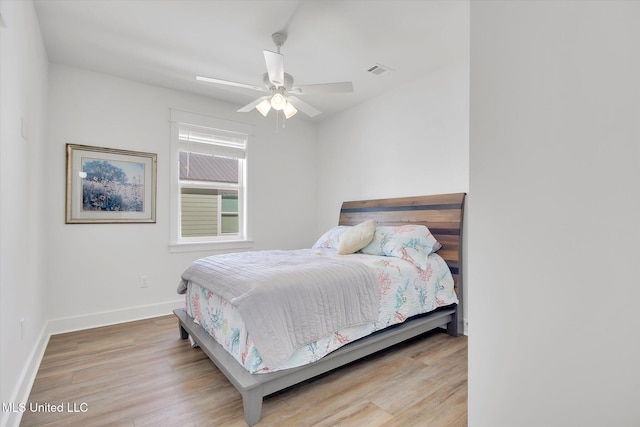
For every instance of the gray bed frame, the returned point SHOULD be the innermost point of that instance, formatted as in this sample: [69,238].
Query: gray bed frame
[443,214]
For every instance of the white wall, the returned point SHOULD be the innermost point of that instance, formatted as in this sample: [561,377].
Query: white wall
[554,231]
[94,270]
[409,142]
[23,91]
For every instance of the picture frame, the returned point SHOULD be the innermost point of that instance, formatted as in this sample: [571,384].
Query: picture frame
[108,185]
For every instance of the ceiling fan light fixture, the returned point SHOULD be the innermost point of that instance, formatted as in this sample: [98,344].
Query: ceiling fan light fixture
[264,107]
[289,110]
[278,101]
[278,90]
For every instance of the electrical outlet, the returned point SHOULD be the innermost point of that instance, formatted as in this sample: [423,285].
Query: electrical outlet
[144,282]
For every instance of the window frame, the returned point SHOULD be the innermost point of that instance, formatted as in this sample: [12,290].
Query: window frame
[182,119]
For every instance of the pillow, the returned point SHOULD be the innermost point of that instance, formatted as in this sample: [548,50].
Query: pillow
[329,240]
[413,243]
[356,237]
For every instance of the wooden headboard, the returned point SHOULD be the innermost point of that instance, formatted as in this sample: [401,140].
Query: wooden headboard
[442,214]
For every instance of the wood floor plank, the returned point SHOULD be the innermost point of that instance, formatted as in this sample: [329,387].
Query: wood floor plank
[457,402]
[362,414]
[142,374]
[442,351]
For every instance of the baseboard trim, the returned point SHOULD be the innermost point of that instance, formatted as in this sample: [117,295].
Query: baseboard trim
[26,379]
[106,318]
[70,324]
[76,323]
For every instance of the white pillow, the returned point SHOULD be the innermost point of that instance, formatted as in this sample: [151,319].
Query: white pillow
[356,237]
[329,240]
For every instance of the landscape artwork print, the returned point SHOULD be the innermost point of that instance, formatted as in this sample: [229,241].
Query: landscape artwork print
[112,185]
[106,185]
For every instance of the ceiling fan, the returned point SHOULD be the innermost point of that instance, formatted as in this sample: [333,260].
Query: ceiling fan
[280,88]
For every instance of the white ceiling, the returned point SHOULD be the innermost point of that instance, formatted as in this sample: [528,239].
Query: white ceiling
[168,42]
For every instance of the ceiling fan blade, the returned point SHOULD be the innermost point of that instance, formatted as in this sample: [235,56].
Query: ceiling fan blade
[252,105]
[303,106]
[275,67]
[228,83]
[322,88]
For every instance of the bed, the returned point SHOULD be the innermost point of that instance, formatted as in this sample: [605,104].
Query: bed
[442,214]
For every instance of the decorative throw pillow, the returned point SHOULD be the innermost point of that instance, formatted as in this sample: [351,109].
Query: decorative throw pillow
[413,243]
[357,237]
[329,240]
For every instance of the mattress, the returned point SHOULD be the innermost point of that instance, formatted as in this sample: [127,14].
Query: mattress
[405,290]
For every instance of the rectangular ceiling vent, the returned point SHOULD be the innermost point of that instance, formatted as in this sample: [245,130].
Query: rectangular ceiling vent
[379,70]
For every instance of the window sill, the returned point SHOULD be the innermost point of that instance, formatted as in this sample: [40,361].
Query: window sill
[222,246]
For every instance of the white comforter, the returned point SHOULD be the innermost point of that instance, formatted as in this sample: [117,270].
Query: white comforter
[289,298]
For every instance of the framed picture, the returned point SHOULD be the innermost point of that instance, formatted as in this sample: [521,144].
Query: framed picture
[105,185]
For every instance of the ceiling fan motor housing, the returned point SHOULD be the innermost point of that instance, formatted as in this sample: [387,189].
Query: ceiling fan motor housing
[288,82]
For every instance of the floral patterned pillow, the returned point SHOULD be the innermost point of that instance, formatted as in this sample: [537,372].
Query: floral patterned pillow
[413,243]
[330,239]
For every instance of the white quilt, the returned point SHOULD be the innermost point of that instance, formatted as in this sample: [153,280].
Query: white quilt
[289,298]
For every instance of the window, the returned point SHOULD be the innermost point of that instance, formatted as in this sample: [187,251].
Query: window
[208,170]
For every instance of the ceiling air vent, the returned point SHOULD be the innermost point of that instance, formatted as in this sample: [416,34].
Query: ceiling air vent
[379,70]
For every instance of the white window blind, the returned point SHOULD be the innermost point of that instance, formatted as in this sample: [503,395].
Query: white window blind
[218,142]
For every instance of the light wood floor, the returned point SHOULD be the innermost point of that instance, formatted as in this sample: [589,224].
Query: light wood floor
[142,374]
